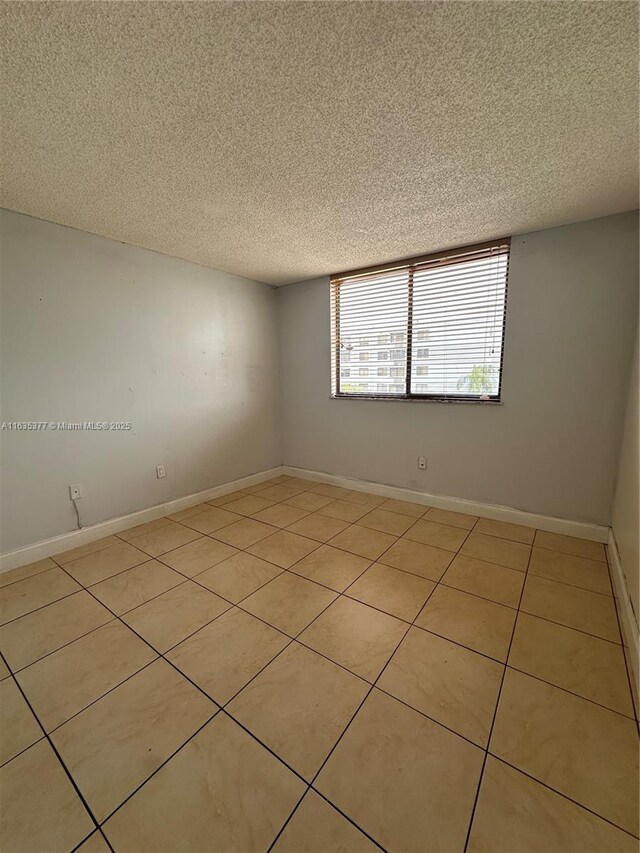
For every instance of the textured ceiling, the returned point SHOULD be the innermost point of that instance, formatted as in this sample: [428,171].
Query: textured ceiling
[286,140]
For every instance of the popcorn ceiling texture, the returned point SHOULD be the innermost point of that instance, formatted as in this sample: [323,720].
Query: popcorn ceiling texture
[283,141]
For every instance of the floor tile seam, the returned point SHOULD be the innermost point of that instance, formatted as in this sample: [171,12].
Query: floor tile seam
[495,715]
[148,559]
[571,692]
[616,605]
[602,563]
[42,606]
[180,583]
[64,645]
[564,796]
[567,553]
[536,574]
[55,751]
[28,577]
[572,627]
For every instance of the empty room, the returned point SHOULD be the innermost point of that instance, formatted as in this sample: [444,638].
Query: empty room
[319,427]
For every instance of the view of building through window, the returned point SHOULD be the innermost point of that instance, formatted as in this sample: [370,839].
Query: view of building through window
[433,330]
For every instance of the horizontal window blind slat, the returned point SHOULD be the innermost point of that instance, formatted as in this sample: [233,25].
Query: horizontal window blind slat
[427,327]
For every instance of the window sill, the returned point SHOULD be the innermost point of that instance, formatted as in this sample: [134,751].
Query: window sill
[397,399]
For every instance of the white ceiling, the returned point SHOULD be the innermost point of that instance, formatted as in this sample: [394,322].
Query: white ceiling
[287,140]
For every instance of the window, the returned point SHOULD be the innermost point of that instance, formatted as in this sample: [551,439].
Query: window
[455,300]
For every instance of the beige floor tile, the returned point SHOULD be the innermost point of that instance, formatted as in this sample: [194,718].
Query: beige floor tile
[188,512]
[65,682]
[392,590]
[224,655]
[455,519]
[408,782]
[387,522]
[497,583]
[364,498]
[19,729]
[223,791]
[515,812]
[169,537]
[307,500]
[4,670]
[94,844]
[243,534]
[318,527]
[223,500]
[300,483]
[214,518]
[29,638]
[513,555]
[197,556]
[447,682]
[141,529]
[278,493]
[586,752]
[331,567]
[289,602]
[419,559]
[576,608]
[40,809]
[248,505]
[281,515]
[239,576]
[344,510]
[505,530]
[84,550]
[136,586]
[330,491]
[570,545]
[356,636]
[299,706]
[565,568]
[174,615]
[115,744]
[481,625]
[28,595]
[283,548]
[316,826]
[578,662]
[105,563]
[26,571]
[404,507]
[370,544]
[439,535]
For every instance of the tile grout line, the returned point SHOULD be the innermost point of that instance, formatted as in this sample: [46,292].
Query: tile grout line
[318,615]
[57,755]
[564,796]
[495,713]
[355,713]
[624,654]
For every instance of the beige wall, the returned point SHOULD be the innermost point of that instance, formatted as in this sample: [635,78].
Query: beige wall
[94,330]
[552,447]
[625,513]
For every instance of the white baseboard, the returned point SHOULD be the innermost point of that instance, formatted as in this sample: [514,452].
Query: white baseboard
[58,544]
[628,622]
[594,532]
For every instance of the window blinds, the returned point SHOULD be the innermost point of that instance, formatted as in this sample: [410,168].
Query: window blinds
[430,327]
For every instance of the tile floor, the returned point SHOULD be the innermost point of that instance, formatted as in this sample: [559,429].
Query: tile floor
[301,667]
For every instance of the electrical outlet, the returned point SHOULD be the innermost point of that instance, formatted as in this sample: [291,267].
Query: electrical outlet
[75,492]
[422,463]
[160,472]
